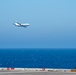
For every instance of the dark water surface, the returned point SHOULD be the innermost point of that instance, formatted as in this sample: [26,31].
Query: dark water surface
[38,58]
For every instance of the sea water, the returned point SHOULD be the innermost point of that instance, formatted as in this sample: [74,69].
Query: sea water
[38,58]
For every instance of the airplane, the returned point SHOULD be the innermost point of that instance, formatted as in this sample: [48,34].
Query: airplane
[21,25]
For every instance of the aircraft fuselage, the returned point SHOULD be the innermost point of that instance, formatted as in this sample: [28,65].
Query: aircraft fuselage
[21,25]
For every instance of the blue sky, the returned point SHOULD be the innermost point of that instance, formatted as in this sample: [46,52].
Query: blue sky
[52,23]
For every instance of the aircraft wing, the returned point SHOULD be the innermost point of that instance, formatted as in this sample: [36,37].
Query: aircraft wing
[23,26]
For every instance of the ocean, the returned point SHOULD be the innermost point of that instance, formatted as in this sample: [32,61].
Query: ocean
[38,58]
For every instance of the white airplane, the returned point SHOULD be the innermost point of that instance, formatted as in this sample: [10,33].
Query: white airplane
[21,25]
